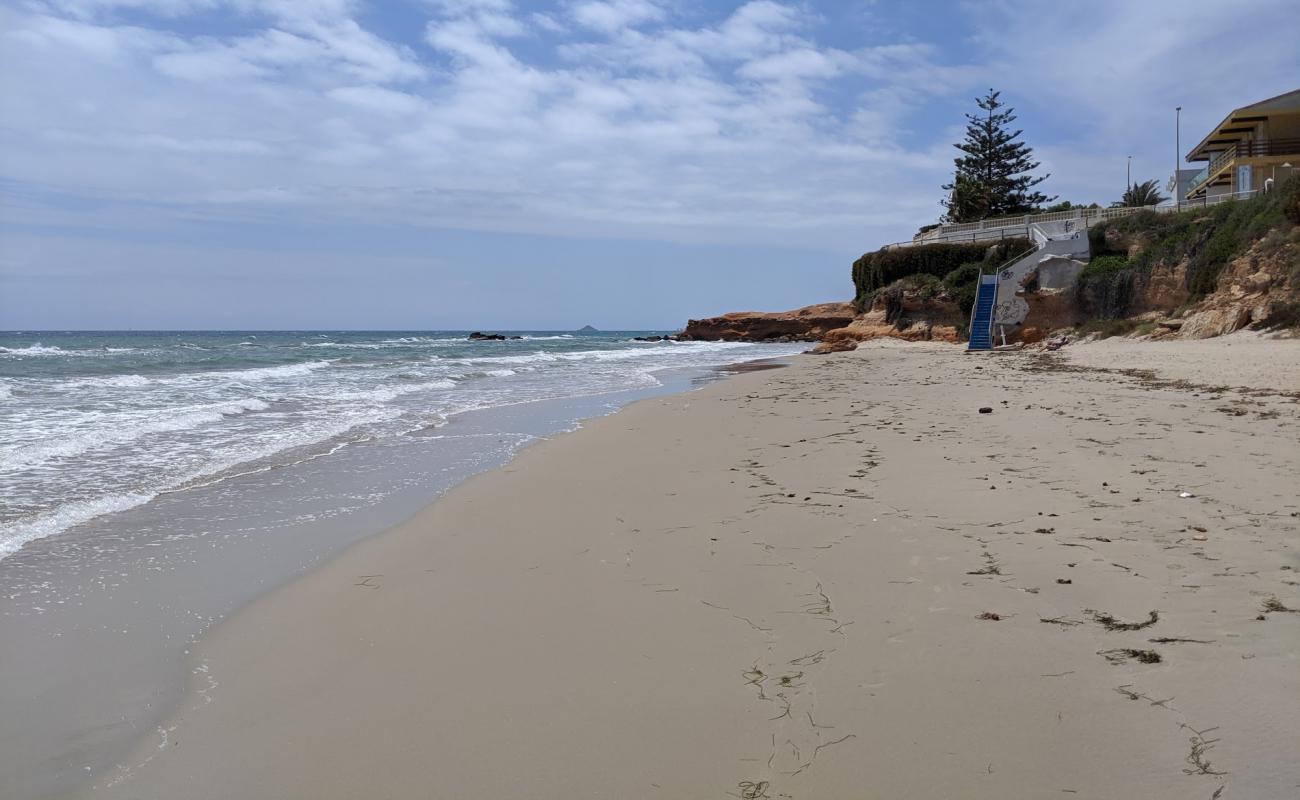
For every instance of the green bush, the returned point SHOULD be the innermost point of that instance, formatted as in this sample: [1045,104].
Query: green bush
[961,285]
[1208,238]
[874,271]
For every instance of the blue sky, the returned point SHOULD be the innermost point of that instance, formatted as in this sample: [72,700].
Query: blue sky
[499,164]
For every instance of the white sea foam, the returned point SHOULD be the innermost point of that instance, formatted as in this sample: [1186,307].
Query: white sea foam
[37,349]
[110,381]
[67,515]
[128,437]
[267,373]
[15,535]
[213,377]
[118,429]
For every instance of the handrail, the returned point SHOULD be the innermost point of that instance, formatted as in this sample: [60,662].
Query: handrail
[1212,169]
[1011,261]
[970,328]
[1257,148]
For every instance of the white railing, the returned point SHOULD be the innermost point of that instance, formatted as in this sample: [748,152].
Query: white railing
[1018,227]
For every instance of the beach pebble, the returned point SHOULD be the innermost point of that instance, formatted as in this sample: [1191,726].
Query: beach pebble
[986,410]
[1186,494]
[1200,537]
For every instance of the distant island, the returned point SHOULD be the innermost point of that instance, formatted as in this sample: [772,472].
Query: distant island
[586,329]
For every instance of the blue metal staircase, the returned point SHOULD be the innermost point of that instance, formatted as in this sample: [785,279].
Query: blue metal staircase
[981,317]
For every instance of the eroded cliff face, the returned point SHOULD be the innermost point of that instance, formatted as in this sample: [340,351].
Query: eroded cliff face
[1249,289]
[807,324]
[920,320]
[1157,301]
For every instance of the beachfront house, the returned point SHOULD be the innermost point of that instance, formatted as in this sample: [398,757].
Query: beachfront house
[1252,145]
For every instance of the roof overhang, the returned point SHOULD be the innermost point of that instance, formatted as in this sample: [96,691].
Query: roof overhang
[1237,125]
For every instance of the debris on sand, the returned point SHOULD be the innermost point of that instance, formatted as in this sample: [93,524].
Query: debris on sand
[1122,654]
[1113,623]
[1272,605]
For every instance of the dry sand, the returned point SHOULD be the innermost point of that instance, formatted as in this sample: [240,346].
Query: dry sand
[834,580]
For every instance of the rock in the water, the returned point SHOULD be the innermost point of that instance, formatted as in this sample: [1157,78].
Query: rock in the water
[479,336]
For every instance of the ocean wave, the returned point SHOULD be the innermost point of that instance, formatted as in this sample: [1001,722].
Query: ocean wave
[37,349]
[540,356]
[14,535]
[268,373]
[226,376]
[111,381]
[118,429]
[5,392]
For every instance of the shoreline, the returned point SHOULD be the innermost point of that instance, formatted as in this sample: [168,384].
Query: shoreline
[597,642]
[141,605]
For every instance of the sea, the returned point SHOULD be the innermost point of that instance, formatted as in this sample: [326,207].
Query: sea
[98,423]
[154,483]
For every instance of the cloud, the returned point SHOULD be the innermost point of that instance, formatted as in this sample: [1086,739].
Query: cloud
[612,16]
[618,118]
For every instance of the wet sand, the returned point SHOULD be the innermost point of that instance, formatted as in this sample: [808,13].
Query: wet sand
[833,580]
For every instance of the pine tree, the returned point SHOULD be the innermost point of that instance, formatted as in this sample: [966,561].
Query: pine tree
[992,179]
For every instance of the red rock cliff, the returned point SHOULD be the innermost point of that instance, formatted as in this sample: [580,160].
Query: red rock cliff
[801,325]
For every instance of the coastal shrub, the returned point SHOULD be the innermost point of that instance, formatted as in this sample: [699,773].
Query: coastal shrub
[1105,287]
[874,271]
[892,299]
[961,285]
[1207,238]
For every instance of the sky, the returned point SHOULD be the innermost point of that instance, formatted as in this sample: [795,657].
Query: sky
[508,164]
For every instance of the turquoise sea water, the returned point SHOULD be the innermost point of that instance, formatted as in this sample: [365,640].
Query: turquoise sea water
[93,424]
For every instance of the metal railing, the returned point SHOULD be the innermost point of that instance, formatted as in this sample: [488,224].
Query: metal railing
[1211,169]
[1018,227]
[1264,148]
[1250,148]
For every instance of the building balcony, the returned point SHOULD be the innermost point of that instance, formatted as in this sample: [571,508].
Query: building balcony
[1218,170]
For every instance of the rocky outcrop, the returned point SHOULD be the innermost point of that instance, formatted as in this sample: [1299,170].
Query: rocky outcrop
[1248,290]
[874,325]
[836,346]
[807,324]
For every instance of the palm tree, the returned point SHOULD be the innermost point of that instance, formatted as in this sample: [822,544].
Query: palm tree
[1141,194]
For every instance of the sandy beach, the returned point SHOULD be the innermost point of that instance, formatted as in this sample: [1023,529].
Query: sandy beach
[837,579]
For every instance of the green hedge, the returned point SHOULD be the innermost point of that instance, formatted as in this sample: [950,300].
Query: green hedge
[874,271]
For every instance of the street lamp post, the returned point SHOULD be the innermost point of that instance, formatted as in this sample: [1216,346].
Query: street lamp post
[1128,175]
[1178,150]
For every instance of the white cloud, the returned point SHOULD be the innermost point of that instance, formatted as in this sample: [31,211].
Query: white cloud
[612,16]
[740,127]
